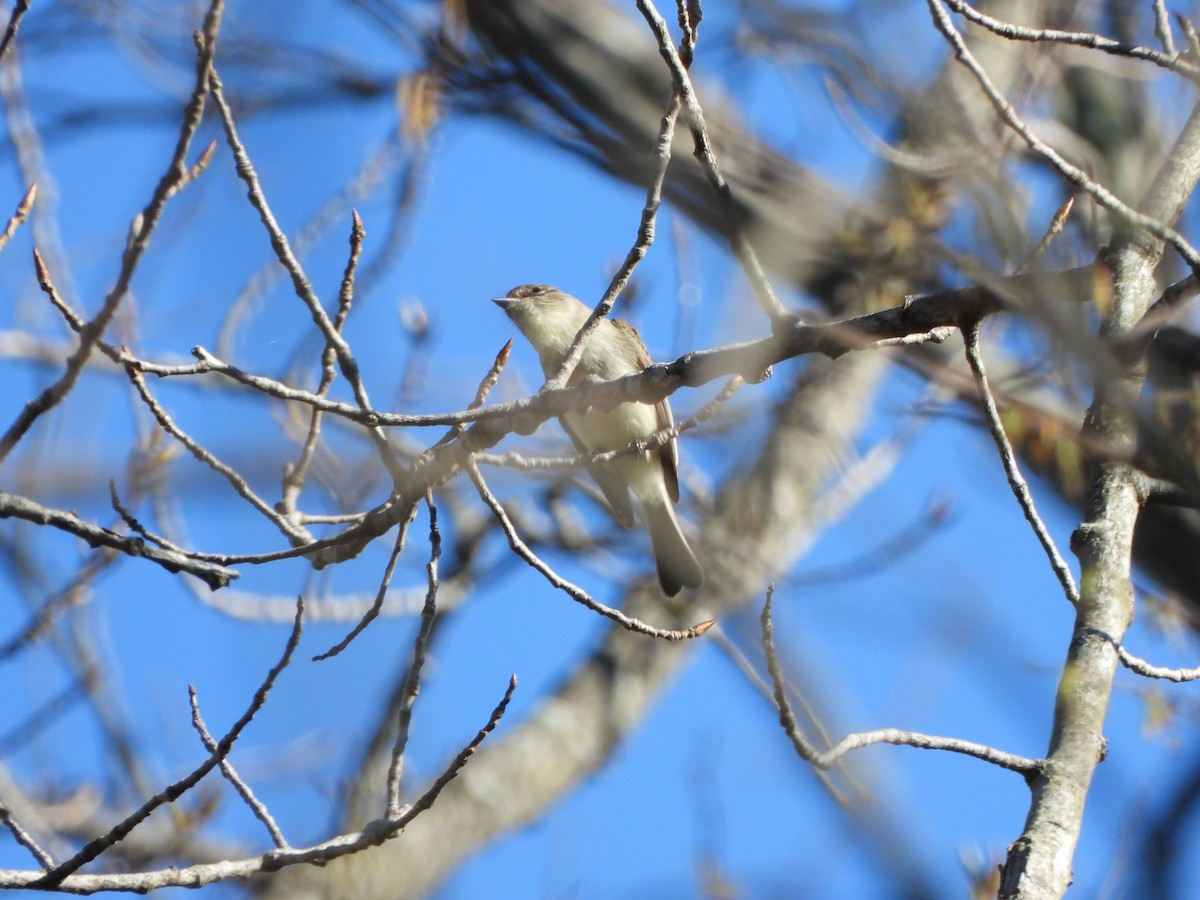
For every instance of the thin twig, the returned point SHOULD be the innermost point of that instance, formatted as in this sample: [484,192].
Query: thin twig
[514,459]
[406,193]
[20,7]
[751,674]
[1069,171]
[1057,223]
[664,436]
[337,609]
[689,14]
[407,814]
[412,680]
[256,806]
[24,838]
[187,177]
[571,590]
[270,556]
[1016,481]
[26,731]
[373,835]
[173,792]
[293,481]
[144,225]
[905,538]
[641,245]
[21,214]
[740,243]
[922,163]
[646,225]
[16,507]
[293,533]
[373,612]
[937,335]
[1141,667]
[787,717]
[1189,31]
[363,184]
[136,526]
[806,751]
[29,154]
[481,395]
[74,594]
[1162,28]
[76,323]
[303,287]
[1022,765]
[1077,38]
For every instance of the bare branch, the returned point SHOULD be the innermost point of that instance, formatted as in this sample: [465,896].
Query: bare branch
[641,244]
[143,226]
[412,680]
[1057,222]
[1189,31]
[293,533]
[666,435]
[751,674]
[24,838]
[244,791]
[1162,28]
[1141,667]
[76,323]
[739,242]
[54,878]
[22,733]
[13,506]
[571,590]
[294,476]
[371,614]
[303,287]
[20,7]
[823,760]
[1067,170]
[343,845]
[1079,39]
[1020,764]
[74,594]
[925,317]
[481,394]
[362,185]
[22,211]
[1016,481]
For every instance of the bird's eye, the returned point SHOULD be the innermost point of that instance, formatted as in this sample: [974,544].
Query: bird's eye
[536,289]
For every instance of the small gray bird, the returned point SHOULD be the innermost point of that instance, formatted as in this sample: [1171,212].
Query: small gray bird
[550,319]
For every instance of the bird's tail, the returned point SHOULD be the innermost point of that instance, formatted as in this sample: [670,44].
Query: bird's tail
[677,565]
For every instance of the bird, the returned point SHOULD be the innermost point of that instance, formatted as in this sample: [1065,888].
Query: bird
[550,319]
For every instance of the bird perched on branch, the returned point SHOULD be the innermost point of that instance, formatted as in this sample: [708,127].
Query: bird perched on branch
[550,319]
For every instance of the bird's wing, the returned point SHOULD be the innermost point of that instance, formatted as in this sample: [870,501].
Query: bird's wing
[668,454]
[612,485]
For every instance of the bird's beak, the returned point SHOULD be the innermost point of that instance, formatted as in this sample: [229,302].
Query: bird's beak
[505,303]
